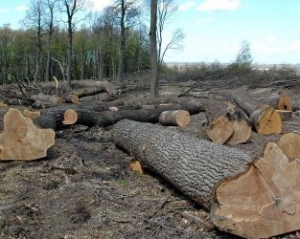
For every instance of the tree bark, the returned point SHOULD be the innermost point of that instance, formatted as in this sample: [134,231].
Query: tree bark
[192,165]
[54,117]
[265,121]
[153,50]
[249,198]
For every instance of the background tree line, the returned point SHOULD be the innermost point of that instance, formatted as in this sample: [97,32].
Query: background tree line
[40,49]
[62,38]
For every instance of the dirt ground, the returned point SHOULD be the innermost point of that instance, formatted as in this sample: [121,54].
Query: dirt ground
[84,188]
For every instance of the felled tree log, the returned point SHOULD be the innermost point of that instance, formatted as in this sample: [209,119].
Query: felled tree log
[176,118]
[101,87]
[227,124]
[265,121]
[250,198]
[262,202]
[54,117]
[47,98]
[22,140]
[193,165]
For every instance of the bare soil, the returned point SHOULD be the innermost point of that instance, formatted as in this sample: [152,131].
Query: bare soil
[85,188]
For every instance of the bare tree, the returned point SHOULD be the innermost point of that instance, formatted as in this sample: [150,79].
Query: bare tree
[34,20]
[72,8]
[153,49]
[175,44]
[129,14]
[49,6]
[166,10]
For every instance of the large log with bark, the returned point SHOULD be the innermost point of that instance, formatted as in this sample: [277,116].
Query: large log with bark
[250,198]
[193,165]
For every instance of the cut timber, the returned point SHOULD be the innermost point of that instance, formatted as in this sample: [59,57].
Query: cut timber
[31,114]
[227,124]
[290,145]
[177,118]
[284,103]
[70,117]
[252,199]
[262,202]
[284,114]
[47,98]
[53,117]
[267,121]
[220,130]
[72,98]
[22,140]
[193,165]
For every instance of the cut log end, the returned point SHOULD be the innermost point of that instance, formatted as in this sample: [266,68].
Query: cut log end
[220,130]
[22,140]
[285,103]
[177,117]
[290,145]
[31,114]
[265,197]
[70,117]
[267,121]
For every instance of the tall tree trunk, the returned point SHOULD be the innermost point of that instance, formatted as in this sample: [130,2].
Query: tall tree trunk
[69,65]
[120,75]
[153,50]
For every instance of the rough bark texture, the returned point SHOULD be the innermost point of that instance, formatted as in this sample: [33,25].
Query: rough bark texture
[246,102]
[192,165]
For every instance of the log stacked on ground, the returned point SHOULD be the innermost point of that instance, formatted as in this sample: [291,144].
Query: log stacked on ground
[175,117]
[194,166]
[53,117]
[265,120]
[227,124]
[250,198]
[290,144]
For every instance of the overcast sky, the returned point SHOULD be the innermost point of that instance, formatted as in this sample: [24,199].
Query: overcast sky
[215,29]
